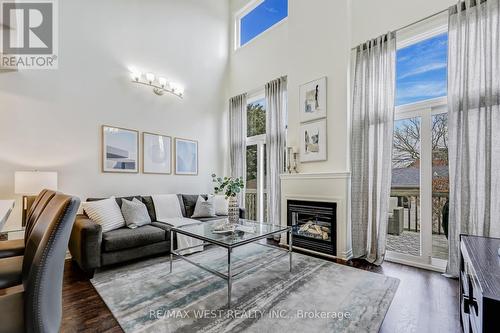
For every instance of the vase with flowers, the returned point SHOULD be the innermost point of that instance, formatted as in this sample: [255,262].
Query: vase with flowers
[231,187]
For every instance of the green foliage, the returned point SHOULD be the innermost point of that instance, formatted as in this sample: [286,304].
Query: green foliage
[228,185]
[256,119]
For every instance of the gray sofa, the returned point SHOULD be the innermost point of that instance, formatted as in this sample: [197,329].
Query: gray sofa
[91,248]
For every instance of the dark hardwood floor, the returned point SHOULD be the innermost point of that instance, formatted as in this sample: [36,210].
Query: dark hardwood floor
[425,302]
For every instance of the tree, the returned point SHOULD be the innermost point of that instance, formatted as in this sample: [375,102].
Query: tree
[256,125]
[406,144]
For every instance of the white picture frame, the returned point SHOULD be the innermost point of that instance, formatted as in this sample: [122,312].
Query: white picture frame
[156,153]
[313,141]
[312,100]
[186,157]
[120,149]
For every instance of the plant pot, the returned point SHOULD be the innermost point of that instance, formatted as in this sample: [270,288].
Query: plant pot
[233,210]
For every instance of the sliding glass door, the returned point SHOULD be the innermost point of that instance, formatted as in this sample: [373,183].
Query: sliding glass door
[255,196]
[418,203]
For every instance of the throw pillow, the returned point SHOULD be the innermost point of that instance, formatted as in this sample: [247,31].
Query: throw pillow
[105,212]
[135,213]
[221,205]
[166,206]
[204,208]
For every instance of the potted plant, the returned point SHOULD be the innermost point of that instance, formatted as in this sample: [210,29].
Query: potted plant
[230,187]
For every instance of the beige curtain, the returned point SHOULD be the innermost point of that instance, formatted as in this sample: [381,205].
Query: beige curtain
[473,122]
[371,146]
[276,114]
[237,139]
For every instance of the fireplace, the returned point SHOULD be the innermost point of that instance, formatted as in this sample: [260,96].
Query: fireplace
[315,225]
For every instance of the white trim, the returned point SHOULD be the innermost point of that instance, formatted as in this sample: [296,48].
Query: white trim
[256,96]
[418,32]
[402,259]
[317,175]
[425,104]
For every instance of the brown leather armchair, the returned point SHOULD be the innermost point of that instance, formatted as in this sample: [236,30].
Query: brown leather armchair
[12,248]
[35,305]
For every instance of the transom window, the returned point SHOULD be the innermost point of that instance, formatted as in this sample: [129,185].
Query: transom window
[257,17]
[421,70]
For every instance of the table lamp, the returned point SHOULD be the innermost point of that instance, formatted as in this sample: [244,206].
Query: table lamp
[30,183]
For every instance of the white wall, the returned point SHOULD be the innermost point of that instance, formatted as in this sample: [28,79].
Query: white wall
[372,18]
[50,120]
[314,41]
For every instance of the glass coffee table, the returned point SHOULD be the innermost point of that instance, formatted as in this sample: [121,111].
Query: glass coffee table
[204,231]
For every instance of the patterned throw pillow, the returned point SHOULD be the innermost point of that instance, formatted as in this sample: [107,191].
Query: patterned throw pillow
[105,212]
[135,213]
[204,208]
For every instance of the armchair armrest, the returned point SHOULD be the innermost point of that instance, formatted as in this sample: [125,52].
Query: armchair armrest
[85,243]
[11,248]
[12,309]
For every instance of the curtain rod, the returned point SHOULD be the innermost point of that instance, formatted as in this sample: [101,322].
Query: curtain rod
[416,22]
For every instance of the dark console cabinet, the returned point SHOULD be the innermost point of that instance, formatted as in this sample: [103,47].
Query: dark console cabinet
[479,284]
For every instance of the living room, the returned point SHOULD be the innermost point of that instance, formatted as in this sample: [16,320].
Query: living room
[249,165]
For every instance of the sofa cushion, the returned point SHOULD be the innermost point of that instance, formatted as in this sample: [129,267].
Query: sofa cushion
[148,201]
[189,201]
[135,213]
[204,207]
[106,213]
[125,238]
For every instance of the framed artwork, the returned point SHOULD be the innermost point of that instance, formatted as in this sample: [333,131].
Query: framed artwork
[120,149]
[312,100]
[186,157]
[313,141]
[156,153]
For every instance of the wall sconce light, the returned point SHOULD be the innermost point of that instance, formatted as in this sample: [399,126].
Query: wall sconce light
[160,84]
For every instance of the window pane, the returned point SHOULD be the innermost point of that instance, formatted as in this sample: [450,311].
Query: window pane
[440,186]
[256,118]
[251,185]
[261,18]
[404,204]
[421,70]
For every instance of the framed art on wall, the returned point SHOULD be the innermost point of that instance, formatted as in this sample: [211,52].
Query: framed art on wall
[312,100]
[313,141]
[186,157]
[156,153]
[120,149]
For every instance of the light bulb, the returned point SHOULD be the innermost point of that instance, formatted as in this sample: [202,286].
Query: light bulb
[162,81]
[135,75]
[150,77]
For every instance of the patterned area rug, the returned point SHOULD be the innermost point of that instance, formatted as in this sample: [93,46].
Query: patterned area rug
[317,296]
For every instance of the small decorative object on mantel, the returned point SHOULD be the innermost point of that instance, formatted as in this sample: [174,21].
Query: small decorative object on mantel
[292,153]
[230,187]
[160,84]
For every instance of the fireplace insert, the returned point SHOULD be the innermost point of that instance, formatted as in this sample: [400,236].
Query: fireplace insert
[315,225]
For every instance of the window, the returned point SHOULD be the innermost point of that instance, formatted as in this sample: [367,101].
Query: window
[255,196]
[418,217]
[421,70]
[258,17]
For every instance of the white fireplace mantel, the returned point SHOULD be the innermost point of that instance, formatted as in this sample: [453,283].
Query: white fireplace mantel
[322,186]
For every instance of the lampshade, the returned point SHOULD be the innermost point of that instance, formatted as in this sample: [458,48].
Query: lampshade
[32,182]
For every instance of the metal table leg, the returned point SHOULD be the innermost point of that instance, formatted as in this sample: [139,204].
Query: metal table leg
[171,249]
[229,278]
[290,246]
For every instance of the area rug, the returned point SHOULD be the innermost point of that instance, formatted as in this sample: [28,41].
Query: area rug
[317,296]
